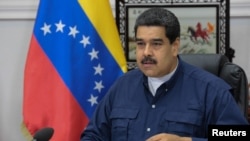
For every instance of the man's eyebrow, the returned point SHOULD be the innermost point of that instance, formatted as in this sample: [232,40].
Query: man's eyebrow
[138,39]
[157,39]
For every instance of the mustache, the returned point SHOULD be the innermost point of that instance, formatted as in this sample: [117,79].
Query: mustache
[148,60]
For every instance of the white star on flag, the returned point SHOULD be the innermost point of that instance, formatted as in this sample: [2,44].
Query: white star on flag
[46,29]
[59,26]
[73,31]
[85,41]
[93,54]
[98,86]
[98,69]
[93,100]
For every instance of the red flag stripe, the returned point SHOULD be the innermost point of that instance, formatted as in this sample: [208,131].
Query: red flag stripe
[46,89]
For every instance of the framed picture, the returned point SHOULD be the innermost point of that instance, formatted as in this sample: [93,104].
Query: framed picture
[204,25]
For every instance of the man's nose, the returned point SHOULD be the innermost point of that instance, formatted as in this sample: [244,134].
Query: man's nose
[148,50]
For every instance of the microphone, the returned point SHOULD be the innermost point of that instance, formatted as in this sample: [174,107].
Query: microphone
[43,134]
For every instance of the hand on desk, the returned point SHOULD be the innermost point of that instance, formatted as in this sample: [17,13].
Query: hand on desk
[168,137]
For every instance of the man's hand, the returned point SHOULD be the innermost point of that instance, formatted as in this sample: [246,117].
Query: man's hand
[168,137]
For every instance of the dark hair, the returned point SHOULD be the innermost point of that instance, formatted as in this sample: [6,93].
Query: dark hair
[160,17]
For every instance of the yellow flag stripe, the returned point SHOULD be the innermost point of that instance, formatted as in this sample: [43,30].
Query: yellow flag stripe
[100,15]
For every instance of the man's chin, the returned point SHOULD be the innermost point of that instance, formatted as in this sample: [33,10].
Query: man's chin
[148,72]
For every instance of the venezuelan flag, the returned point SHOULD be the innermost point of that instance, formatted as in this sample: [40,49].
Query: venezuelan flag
[74,57]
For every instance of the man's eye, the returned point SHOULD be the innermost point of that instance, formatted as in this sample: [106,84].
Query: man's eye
[157,44]
[139,43]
